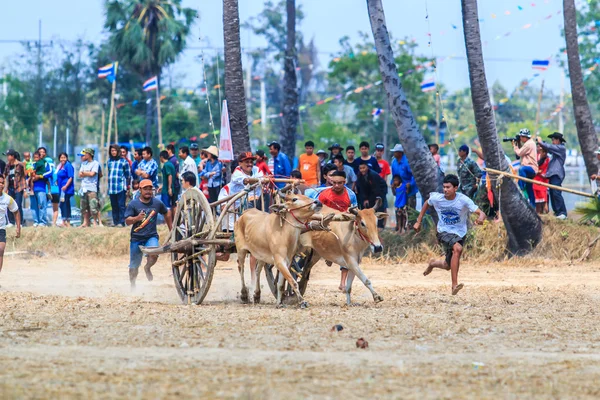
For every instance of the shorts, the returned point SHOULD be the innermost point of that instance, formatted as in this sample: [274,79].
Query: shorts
[2,235]
[135,254]
[55,198]
[448,240]
[169,201]
[89,203]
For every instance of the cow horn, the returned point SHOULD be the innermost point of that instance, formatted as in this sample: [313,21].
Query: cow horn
[378,203]
[281,195]
[353,210]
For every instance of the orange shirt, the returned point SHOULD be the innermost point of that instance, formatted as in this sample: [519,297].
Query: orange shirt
[309,167]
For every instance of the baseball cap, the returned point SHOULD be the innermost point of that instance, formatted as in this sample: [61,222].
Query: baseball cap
[10,152]
[379,146]
[145,182]
[246,155]
[194,146]
[87,150]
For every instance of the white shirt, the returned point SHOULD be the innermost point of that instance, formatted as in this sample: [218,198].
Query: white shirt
[228,222]
[7,203]
[189,165]
[237,180]
[89,183]
[452,214]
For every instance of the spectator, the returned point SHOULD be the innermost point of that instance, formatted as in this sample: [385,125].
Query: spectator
[135,190]
[65,176]
[7,204]
[55,195]
[399,189]
[137,159]
[125,155]
[335,150]
[350,160]
[148,168]
[301,187]
[39,200]
[596,177]
[541,192]
[281,163]
[16,183]
[239,179]
[195,154]
[434,148]
[142,214]
[261,163]
[309,165]
[2,164]
[322,154]
[527,151]
[556,171]
[172,152]
[212,172]
[365,155]
[370,186]
[89,174]
[168,191]
[188,164]
[338,161]
[384,166]
[400,167]
[118,184]
[468,172]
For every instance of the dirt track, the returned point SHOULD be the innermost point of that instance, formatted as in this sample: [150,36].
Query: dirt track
[70,328]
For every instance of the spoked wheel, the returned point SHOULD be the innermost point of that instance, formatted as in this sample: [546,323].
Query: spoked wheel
[299,262]
[193,269]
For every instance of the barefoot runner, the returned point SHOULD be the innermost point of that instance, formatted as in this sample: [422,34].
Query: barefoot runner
[453,212]
[7,203]
[142,213]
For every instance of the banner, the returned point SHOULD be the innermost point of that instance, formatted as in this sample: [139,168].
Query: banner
[225,145]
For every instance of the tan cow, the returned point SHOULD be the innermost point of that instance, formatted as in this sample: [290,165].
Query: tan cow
[346,244]
[273,239]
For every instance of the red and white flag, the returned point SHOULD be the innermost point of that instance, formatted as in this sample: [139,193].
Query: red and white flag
[225,145]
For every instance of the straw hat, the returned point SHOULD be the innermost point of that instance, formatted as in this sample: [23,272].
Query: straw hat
[212,150]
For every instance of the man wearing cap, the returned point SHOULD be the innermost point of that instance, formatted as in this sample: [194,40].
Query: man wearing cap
[148,168]
[188,164]
[309,165]
[468,172]
[245,170]
[88,172]
[16,183]
[384,166]
[195,154]
[142,214]
[400,167]
[335,150]
[212,172]
[556,171]
[527,151]
[281,163]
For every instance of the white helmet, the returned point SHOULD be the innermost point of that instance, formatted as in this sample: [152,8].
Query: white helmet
[525,132]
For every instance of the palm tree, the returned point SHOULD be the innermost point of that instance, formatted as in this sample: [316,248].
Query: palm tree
[290,89]
[523,226]
[583,116]
[146,36]
[426,172]
[234,78]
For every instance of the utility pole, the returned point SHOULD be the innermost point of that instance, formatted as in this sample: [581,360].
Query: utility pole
[539,106]
[561,120]
[40,89]
[263,110]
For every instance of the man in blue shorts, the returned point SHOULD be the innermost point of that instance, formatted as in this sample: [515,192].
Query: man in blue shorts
[142,214]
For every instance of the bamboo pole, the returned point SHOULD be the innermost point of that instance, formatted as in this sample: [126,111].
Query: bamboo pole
[562,189]
[539,106]
[116,128]
[160,141]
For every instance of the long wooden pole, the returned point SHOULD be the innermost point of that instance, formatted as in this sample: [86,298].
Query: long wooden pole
[539,106]
[110,116]
[116,127]
[158,116]
[102,134]
[577,192]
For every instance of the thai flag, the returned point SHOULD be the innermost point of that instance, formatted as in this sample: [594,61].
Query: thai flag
[542,65]
[376,112]
[151,84]
[428,85]
[108,71]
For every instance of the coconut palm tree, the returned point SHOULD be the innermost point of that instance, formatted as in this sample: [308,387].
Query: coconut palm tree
[583,116]
[146,36]
[523,225]
[290,90]
[424,168]
[234,78]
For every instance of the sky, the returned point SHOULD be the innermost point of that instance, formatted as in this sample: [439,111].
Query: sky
[508,58]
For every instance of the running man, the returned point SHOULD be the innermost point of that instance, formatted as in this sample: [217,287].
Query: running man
[453,212]
[7,203]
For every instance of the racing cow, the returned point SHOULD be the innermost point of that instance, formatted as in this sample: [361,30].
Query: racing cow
[274,239]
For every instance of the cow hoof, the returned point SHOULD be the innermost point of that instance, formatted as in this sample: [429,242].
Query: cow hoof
[244,296]
[378,298]
[257,299]
[280,306]
[304,304]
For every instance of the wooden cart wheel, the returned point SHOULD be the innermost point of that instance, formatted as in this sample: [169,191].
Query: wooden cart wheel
[193,270]
[272,275]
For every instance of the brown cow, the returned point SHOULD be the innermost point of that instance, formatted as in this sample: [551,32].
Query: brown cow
[346,244]
[273,239]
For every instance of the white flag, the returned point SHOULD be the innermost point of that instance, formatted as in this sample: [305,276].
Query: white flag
[225,145]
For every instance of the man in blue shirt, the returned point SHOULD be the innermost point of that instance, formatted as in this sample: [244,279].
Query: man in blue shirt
[401,168]
[281,163]
[148,168]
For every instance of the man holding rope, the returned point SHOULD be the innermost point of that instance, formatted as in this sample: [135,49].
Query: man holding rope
[453,212]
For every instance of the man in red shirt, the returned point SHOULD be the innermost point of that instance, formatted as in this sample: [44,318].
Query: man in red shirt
[386,171]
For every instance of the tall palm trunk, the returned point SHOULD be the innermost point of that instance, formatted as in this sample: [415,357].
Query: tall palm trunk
[583,116]
[523,226]
[290,91]
[234,78]
[427,174]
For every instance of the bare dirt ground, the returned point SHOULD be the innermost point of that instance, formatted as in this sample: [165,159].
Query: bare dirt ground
[70,328]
